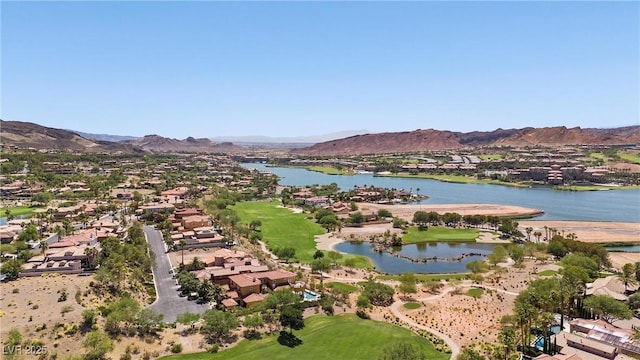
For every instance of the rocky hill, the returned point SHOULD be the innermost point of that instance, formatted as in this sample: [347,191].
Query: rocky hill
[158,143]
[429,140]
[29,135]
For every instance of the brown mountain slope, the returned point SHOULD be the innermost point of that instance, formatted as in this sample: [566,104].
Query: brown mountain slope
[428,140]
[29,135]
[158,143]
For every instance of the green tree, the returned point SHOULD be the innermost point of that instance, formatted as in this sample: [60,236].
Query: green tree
[255,225]
[148,321]
[384,213]
[421,218]
[29,233]
[252,323]
[401,351]
[356,218]
[628,275]
[218,324]
[97,344]
[321,266]
[607,308]
[11,268]
[187,318]
[285,253]
[42,198]
[280,298]
[334,256]
[291,317]
[498,254]
[379,294]
[517,254]
[318,254]
[633,302]
[407,284]
[476,266]
[469,354]
[182,245]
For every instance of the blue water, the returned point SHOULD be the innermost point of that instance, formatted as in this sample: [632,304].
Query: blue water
[387,263]
[611,205]
[310,296]
[539,344]
[633,248]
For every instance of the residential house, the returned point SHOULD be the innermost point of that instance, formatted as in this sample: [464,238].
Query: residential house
[611,286]
[276,278]
[245,284]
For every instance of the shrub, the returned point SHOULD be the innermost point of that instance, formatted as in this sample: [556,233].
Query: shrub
[176,348]
[362,315]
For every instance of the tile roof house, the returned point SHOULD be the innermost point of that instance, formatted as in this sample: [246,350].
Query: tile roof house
[253,299]
[611,286]
[245,284]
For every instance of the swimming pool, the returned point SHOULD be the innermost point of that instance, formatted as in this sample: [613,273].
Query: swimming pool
[309,295]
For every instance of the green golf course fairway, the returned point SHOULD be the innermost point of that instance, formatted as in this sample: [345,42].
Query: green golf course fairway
[326,337]
[282,228]
[440,233]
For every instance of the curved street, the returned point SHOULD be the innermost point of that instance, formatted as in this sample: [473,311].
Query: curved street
[167,303]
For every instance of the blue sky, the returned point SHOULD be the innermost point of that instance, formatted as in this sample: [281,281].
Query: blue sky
[207,69]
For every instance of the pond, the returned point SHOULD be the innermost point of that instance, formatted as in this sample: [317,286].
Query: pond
[387,263]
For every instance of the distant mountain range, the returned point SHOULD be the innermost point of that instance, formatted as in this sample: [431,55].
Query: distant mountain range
[428,140]
[307,140]
[103,137]
[30,135]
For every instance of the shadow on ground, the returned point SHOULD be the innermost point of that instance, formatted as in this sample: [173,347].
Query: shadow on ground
[288,339]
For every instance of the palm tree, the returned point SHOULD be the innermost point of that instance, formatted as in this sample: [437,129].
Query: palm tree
[628,275]
[537,234]
[44,245]
[528,230]
[182,244]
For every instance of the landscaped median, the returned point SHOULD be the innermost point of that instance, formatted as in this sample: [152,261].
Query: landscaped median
[326,337]
[283,228]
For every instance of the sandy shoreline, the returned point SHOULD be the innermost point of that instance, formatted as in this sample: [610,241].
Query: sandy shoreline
[588,231]
[406,211]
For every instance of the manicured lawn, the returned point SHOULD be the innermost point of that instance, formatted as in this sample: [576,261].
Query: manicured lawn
[547,273]
[632,158]
[19,210]
[460,179]
[439,233]
[283,228]
[475,292]
[599,156]
[412,305]
[329,170]
[341,286]
[326,337]
[427,277]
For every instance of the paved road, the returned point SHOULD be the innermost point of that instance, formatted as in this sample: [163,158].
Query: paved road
[168,302]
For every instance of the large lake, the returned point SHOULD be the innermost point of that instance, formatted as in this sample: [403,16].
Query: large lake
[610,205]
[387,263]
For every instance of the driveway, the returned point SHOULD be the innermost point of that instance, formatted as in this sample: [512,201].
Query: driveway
[167,303]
